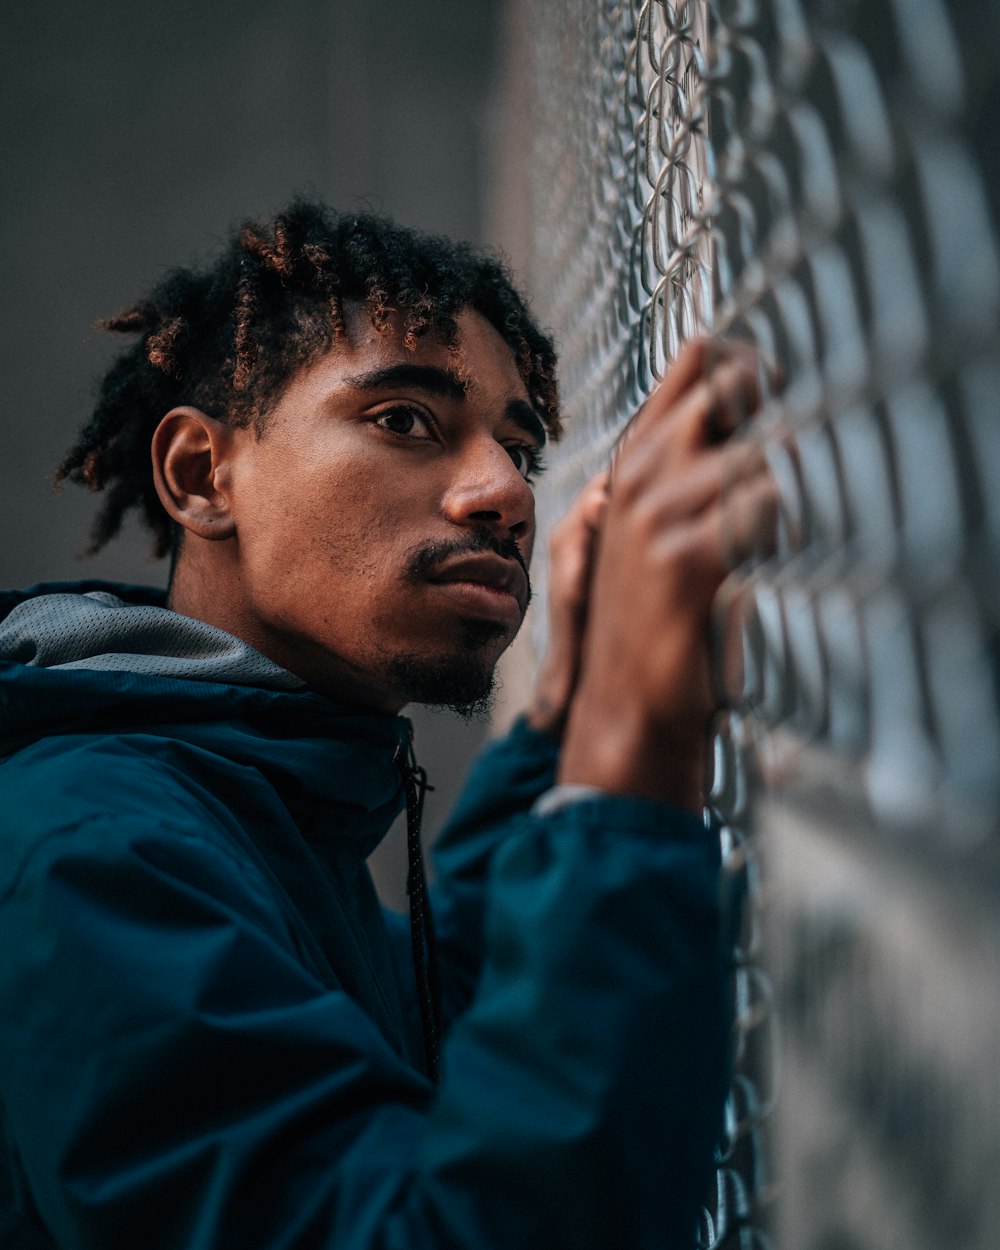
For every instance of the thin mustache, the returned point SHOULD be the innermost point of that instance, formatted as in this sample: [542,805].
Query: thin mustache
[425,560]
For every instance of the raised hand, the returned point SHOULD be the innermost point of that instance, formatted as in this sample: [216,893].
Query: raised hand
[685,505]
[571,559]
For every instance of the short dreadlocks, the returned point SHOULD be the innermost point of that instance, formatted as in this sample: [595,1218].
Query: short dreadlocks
[229,338]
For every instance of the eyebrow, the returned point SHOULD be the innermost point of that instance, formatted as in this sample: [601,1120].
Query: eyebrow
[426,378]
[445,384]
[523,415]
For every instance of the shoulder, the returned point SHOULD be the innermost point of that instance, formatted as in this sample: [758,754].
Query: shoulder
[104,796]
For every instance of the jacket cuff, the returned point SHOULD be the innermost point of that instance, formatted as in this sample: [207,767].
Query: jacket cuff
[564,795]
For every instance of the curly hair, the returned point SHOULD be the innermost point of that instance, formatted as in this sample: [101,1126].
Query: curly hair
[229,338]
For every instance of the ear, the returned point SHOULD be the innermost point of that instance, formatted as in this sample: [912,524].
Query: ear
[192,470]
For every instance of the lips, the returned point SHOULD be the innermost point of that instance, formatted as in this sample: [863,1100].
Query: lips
[487,571]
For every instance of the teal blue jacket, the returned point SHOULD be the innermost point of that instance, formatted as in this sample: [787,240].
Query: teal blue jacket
[209,1038]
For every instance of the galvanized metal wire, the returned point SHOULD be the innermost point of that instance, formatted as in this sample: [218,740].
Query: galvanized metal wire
[820,178]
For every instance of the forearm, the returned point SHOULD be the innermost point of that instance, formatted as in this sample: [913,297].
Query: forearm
[591,1069]
[620,747]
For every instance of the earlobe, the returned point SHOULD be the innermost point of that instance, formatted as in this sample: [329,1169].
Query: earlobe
[191,470]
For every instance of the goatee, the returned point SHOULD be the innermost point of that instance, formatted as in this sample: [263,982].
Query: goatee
[464,682]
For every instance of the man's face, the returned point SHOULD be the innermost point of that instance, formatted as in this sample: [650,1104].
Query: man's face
[384,519]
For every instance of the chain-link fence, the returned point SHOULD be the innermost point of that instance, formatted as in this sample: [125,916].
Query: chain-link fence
[823,179]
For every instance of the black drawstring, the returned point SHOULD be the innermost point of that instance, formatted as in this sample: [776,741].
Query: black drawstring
[425,962]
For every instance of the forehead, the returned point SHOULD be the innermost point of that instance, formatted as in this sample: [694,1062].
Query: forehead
[480,358]
[478,372]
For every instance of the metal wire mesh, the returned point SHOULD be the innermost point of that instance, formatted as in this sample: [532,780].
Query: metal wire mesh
[822,179]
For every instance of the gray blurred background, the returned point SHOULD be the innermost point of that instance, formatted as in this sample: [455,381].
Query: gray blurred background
[135,135]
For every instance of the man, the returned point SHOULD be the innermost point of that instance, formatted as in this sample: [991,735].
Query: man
[210,1033]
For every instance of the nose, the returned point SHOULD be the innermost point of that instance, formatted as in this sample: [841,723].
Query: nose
[488,489]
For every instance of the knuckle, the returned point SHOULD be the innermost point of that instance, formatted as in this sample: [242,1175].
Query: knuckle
[698,349]
[630,478]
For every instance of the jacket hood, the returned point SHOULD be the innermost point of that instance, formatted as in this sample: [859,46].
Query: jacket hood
[92,658]
[99,630]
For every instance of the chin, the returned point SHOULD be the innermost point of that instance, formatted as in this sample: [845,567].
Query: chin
[463,681]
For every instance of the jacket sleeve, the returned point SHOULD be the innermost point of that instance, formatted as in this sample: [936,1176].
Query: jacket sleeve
[175,1078]
[507,778]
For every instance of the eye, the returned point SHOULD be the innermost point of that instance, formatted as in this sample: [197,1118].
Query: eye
[527,459]
[405,420]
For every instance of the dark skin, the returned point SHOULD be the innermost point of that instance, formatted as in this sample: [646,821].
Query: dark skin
[636,569]
[303,541]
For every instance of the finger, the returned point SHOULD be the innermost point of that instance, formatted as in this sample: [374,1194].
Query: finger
[732,635]
[709,413]
[749,520]
[674,497]
[714,409]
[587,509]
[689,365]
[733,531]
[698,361]
[593,500]
[706,548]
[688,368]
[572,547]
[722,403]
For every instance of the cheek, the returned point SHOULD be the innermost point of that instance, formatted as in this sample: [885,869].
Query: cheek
[327,536]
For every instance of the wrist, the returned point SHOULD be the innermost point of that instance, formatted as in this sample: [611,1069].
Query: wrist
[630,750]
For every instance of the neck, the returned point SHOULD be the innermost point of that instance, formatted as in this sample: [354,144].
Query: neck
[212,591]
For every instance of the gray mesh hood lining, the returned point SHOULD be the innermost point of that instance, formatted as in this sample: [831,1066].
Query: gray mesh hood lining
[97,630]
